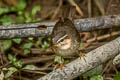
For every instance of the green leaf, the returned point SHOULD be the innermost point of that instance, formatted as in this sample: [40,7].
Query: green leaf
[20,20]
[38,43]
[28,17]
[49,38]
[94,71]
[35,9]
[20,13]
[66,61]
[6,20]
[36,20]
[97,77]
[17,40]
[44,46]
[82,45]
[27,51]
[12,69]
[17,64]
[9,73]
[2,75]
[21,6]
[4,69]
[6,44]
[4,10]
[10,57]
[59,59]
[28,45]
[31,38]
[117,76]
[29,67]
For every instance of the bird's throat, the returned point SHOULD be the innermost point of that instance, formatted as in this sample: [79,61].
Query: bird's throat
[67,44]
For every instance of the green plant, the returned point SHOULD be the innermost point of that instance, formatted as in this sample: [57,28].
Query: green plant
[6,44]
[14,61]
[97,77]
[10,71]
[117,76]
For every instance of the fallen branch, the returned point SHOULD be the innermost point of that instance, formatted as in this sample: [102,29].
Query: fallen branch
[93,59]
[45,28]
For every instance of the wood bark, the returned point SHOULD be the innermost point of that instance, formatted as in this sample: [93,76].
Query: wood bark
[79,66]
[45,28]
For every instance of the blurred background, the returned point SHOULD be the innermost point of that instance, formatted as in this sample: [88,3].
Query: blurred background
[31,58]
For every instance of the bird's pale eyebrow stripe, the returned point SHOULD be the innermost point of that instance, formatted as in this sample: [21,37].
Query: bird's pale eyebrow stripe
[62,38]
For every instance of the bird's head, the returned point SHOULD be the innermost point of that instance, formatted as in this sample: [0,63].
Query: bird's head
[62,42]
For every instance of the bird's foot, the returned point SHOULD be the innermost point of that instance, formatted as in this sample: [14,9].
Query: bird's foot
[82,55]
[60,65]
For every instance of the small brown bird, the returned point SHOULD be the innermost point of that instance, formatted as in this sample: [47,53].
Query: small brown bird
[65,37]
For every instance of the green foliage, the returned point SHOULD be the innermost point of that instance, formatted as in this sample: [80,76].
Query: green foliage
[44,46]
[27,51]
[17,40]
[29,67]
[117,77]
[38,42]
[20,10]
[11,57]
[6,20]
[11,70]
[14,61]
[49,39]
[21,16]
[4,10]
[82,45]
[20,7]
[6,44]
[28,45]
[36,19]
[17,64]
[93,72]
[35,10]
[66,61]
[28,17]
[31,38]
[59,59]
[97,77]
[20,20]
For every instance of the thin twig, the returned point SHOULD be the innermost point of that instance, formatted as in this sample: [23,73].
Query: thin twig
[104,36]
[89,8]
[77,7]
[100,6]
[108,8]
[58,9]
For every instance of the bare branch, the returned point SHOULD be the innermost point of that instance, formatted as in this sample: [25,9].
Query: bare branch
[79,66]
[45,28]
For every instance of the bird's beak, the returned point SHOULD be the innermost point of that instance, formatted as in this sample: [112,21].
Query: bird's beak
[55,45]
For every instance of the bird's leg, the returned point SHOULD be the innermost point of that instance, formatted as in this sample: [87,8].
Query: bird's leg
[82,55]
[61,66]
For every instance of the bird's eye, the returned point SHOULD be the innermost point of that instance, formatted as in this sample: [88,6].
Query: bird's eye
[61,40]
